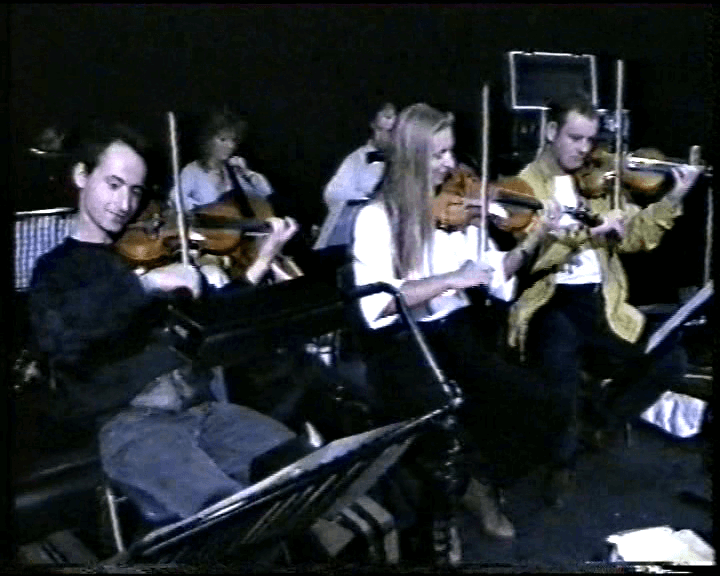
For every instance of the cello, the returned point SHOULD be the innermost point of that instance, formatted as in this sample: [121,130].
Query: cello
[224,233]
[253,208]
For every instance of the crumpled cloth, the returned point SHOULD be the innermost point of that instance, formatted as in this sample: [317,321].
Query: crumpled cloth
[661,544]
[181,388]
[678,414]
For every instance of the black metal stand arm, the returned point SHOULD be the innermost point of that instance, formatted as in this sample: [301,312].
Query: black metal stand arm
[444,467]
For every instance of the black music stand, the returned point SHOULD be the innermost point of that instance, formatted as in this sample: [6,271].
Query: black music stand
[320,484]
[284,504]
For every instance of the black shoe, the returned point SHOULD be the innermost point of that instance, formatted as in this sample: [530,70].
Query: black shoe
[601,438]
[483,501]
[558,484]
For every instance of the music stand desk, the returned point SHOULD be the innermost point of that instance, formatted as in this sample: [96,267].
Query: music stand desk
[289,501]
[330,478]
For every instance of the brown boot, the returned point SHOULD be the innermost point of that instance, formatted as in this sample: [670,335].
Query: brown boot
[482,500]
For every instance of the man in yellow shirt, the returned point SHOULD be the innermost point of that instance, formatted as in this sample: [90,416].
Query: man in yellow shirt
[575,308]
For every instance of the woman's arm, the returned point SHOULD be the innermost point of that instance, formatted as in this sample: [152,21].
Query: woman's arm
[283,230]
[372,263]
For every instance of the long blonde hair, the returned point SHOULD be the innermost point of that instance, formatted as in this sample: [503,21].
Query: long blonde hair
[407,189]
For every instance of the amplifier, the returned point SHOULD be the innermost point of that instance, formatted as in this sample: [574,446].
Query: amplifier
[608,127]
[535,77]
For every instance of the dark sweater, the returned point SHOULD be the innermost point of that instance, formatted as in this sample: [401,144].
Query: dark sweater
[96,325]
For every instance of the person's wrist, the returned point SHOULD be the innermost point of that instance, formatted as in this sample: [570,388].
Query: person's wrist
[147,281]
[675,197]
[599,230]
[530,242]
[268,252]
[451,281]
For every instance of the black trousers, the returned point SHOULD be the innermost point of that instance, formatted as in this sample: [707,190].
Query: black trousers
[571,334]
[509,422]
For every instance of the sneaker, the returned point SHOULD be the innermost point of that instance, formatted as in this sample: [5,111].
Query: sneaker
[482,500]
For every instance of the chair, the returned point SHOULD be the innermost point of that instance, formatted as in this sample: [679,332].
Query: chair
[37,232]
[439,465]
[55,471]
[665,319]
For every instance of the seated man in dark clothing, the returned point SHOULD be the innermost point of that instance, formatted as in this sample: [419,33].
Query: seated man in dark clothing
[165,429]
[574,314]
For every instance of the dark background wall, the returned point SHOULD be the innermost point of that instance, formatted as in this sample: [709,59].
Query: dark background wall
[309,77]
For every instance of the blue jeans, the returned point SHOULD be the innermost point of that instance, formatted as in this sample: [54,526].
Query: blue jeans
[187,460]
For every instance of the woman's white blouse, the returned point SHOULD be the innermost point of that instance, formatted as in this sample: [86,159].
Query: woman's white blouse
[198,187]
[372,262]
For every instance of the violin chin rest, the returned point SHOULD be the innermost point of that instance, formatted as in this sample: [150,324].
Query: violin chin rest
[196,236]
[496,209]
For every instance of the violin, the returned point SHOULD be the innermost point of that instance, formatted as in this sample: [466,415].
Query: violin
[643,173]
[511,202]
[154,239]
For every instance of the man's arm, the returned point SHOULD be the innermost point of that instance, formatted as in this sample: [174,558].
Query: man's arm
[70,317]
[341,186]
[270,248]
[69,320]
[644,229]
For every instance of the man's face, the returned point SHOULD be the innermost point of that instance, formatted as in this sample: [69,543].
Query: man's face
[111,193]
[571,143]
[442,160]
[223,145]
[383,125]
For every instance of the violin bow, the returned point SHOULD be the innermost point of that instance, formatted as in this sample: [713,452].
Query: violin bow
[694,160]
[179,204]
[616,198]
[484,171]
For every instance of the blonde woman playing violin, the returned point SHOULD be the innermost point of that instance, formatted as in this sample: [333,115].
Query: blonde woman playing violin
[397,241]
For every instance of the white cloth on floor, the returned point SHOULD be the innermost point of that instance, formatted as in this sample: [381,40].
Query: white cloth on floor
[661,544]
[678,414]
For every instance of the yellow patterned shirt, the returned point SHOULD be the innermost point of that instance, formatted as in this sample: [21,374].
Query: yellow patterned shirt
[644,229]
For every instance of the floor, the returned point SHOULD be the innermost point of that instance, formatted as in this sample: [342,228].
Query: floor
[629,488]
[635,486]
[640,484]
